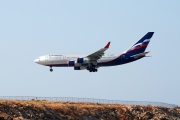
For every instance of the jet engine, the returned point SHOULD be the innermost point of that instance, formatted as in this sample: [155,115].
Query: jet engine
[83,60]
[73,63]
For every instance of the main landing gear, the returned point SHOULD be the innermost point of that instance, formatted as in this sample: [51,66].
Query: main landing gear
[92,69]
[51,68]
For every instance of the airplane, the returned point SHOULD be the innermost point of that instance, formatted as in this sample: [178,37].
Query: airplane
[92,62]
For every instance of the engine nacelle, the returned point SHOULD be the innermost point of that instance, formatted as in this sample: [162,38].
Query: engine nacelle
[83,60]
[72,63]
[80,67]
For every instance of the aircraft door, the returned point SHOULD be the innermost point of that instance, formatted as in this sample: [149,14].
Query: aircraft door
[46,58]
[64,57]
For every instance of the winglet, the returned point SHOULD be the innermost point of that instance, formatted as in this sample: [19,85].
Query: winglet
[107,46]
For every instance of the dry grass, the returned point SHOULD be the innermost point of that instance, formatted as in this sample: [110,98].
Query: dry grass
[73,110]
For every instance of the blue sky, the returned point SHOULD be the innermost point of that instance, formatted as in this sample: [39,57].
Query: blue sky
[29,29]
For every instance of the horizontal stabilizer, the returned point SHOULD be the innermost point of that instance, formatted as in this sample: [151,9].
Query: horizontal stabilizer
[140,55]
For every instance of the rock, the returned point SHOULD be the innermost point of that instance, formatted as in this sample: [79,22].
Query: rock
[20,118]
[112,113]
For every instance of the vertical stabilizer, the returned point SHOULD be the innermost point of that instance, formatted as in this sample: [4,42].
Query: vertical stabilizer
[140,46]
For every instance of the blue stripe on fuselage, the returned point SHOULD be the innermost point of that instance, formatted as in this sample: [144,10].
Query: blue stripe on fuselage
[58,65]
[122,59]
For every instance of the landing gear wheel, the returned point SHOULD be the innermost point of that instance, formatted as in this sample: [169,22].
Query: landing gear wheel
[92,70]
[51,68]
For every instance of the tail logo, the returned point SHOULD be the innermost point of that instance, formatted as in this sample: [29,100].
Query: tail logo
[140,45]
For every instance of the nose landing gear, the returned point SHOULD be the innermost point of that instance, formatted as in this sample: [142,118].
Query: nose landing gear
[51,68]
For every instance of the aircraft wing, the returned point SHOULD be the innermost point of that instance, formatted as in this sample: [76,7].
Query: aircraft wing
[98,54]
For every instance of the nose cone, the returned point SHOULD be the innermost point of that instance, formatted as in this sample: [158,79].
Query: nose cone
[36,60]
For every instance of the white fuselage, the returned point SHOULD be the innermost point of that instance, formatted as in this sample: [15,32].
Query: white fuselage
[58,60]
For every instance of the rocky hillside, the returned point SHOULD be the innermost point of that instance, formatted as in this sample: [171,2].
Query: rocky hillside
[44,110]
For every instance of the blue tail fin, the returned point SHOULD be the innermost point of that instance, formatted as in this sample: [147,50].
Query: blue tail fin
[141,45]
